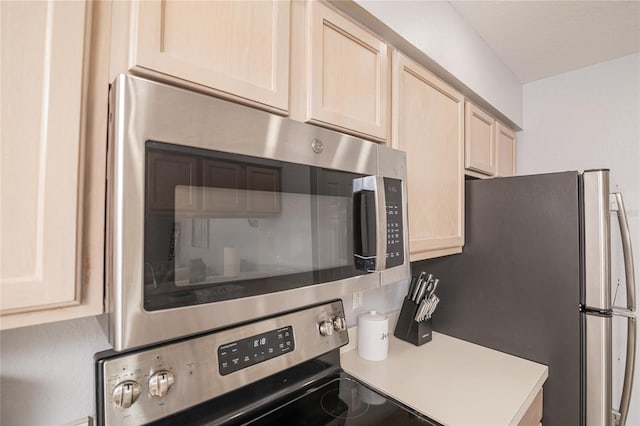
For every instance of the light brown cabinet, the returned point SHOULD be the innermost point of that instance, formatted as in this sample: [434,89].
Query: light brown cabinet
[479,141]
[490,146]
[428,123]
[340,72]
[533,415]
[239,49]
[54,111]
[505,151]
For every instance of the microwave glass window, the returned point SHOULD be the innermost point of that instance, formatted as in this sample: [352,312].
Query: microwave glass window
[222,226]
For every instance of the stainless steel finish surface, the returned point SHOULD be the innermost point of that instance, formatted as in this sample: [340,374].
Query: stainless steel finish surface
[144,110]
[125,394]
[194,363]
[381,224]
[326,328]
[622,312]
[629,313]
[597,252]
[627,251]
[160,382]
[392,163]
[629,370]
[598,370]
[339,324]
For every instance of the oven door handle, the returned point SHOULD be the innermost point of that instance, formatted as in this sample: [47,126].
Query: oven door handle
[370,223]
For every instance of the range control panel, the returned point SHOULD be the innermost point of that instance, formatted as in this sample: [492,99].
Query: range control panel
[252,350]
[148,384]
[395,230]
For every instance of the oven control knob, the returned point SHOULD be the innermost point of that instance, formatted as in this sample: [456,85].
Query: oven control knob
[160,382]
[339,324]
[326,328]
[125,394]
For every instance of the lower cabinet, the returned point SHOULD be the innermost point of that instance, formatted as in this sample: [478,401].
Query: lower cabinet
[428,124]
[533,415]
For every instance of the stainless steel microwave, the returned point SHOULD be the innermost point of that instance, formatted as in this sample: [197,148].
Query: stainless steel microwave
[219,214]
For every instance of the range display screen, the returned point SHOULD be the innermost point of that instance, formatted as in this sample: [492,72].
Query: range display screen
[252,350]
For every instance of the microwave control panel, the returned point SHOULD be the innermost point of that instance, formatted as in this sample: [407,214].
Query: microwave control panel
[252,350]
[395,230]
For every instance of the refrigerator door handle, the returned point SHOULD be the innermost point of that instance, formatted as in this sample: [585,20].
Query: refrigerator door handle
[620,417]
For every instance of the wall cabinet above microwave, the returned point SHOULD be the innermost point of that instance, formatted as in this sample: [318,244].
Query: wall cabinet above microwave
[238,49]
[247,51]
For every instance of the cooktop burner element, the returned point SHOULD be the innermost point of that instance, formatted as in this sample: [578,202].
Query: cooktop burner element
[341,400]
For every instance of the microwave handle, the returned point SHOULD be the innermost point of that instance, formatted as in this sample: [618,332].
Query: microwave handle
[370,222]
[620,417]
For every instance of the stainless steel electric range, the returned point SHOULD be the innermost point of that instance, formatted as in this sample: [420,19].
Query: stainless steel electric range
[280,370]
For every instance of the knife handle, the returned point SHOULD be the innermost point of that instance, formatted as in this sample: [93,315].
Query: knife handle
[421,293]
[412,287]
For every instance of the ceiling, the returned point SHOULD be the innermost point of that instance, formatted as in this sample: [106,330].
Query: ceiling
[538,39]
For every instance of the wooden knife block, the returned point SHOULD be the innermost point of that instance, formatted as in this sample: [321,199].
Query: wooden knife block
[408,329]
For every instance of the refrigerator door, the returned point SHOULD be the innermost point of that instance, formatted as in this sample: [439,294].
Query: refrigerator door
[598,370]
[597,241]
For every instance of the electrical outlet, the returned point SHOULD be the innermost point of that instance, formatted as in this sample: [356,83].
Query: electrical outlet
[357,300]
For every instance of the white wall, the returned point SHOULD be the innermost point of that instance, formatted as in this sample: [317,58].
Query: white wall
[590,118]
[436,28]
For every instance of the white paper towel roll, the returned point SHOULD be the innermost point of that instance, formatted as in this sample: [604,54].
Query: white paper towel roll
[231,262]
[373,336]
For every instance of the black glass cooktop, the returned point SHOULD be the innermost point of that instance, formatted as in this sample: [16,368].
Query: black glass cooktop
[340,401]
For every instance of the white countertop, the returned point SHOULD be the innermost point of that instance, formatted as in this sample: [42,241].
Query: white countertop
[452,381]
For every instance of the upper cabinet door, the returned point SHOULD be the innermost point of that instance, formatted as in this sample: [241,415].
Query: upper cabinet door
[43,72]
[238,48]
[479,140]
[428,120]
[505,151]
[340,75]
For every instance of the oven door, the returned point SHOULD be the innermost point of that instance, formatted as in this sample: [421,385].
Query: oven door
[219,213]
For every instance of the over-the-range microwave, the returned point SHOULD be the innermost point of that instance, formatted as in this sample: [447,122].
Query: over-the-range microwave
[220,213]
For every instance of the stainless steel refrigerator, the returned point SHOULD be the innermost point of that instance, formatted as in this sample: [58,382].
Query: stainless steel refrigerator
[534,280]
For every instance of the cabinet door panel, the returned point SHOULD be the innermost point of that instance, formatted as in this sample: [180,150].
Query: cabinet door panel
[428,125]
[505,151]
[236,47]
[348,79]
[43,45]
[479,140]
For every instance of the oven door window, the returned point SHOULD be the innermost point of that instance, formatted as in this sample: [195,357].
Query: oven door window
[222,226]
